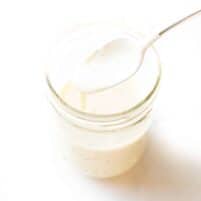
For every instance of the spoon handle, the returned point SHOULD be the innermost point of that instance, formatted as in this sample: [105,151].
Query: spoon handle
[151,38]
[179,22]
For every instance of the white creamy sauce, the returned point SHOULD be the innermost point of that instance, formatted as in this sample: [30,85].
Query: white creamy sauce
[107,65]
[109,154]
[111,62]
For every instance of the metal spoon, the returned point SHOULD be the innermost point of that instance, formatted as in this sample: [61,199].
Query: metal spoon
[139,56]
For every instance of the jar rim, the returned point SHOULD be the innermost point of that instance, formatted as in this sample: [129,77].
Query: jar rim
[105,117]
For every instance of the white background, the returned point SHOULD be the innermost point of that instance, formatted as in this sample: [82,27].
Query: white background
[30,166]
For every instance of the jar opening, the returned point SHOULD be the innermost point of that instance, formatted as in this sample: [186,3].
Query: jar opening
[109,108]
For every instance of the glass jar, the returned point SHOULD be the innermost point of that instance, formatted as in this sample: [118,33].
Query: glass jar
[107,145]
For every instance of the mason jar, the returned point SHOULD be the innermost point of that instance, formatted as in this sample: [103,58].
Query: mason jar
[107,144]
